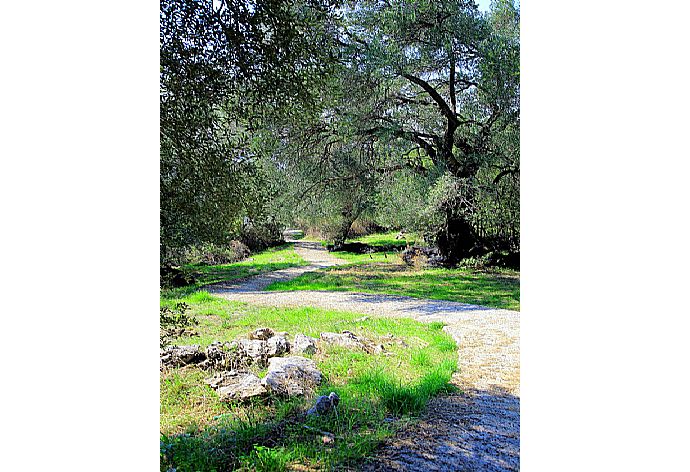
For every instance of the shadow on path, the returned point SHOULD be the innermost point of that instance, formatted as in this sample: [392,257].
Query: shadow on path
[476,430]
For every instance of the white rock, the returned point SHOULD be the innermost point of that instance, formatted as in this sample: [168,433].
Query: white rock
[288,376]
[232,385]
[303,345]
[277,345]
[346,339]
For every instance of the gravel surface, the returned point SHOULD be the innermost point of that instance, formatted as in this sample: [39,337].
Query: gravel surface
[477,429]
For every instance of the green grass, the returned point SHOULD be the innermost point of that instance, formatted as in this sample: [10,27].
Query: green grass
[276,258]
[385,239]
[499,289]
[379,239]
[198,432]
[388,257]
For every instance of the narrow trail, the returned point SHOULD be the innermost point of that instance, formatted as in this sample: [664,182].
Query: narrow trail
[477,429]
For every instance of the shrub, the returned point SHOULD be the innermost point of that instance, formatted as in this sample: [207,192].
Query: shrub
[261,235]
[171,277]
[214,254]
[173,322]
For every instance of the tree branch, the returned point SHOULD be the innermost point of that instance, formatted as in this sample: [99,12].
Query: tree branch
[445,109]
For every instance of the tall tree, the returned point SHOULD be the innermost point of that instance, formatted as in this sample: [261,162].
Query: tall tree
[449,84]
[224,65]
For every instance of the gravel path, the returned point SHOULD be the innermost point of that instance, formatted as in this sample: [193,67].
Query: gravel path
[477,429]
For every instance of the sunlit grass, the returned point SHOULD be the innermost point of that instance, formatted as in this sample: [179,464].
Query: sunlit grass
[276,258]
[499,289]
[385,239]
[263,432]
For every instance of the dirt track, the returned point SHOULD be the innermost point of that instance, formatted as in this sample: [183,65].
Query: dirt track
[477,429]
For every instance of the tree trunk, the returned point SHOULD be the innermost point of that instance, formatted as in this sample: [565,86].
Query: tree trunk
[458,238]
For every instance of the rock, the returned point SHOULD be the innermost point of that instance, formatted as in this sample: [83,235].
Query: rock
[176,356]
[288,376]
[303,345]
[233,385]
[255,349]
[423,256]
[225,356]
[359,320]
[325,404]
[376,349]
[277,345]
[346,339]
[262,334]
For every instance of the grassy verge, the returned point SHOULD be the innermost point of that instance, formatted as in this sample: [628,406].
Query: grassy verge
[378,392]
[500,289]
[280,257]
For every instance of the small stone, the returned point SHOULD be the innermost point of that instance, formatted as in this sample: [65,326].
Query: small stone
[328,438]
[303,345]
[377,349]
[346,339]
[262,334]
[325,404]
[359,320]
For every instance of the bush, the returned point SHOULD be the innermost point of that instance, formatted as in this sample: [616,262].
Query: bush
[261,235]
[171,277]
[213,254]
[173,322]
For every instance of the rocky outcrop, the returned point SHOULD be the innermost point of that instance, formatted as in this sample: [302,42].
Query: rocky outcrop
[289,376]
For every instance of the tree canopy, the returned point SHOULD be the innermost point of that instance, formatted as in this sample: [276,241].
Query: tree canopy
[328,112]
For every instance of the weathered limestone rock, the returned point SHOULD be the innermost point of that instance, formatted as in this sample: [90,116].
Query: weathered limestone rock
[262,334]
[255,349]
[288,376]
[176,356]
[277,345]
[225,356]
[303,345]
[325,404]
[233,385]
[346,339]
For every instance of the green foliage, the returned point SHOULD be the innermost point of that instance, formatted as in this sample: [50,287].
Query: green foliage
[224,66]
[214,254]
[173,319]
